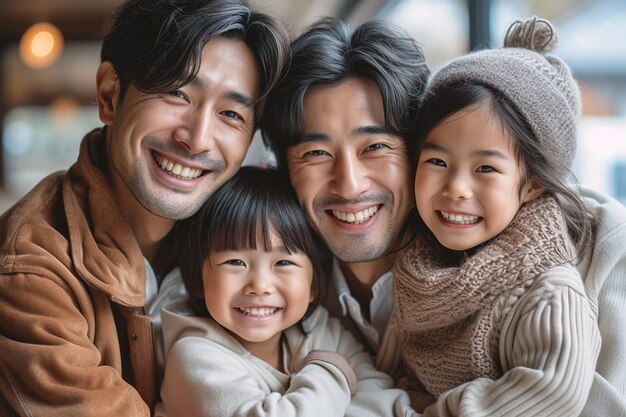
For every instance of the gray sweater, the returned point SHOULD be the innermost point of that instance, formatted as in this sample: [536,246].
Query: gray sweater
[209,373]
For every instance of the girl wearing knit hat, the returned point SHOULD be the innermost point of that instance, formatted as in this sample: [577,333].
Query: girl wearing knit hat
[493,315]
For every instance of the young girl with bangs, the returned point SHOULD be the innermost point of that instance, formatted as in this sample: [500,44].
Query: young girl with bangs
[260,344]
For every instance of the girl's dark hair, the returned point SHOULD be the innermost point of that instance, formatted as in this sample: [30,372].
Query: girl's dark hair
[254,200]
[156,45]
[330,52]
[449,99]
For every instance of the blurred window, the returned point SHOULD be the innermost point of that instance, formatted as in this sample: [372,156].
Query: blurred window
[591,40]
[440,26]
[40,140]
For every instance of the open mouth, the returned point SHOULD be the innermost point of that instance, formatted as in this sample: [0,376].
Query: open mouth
[456,218]
[354,217]
[257,311]
[175,169]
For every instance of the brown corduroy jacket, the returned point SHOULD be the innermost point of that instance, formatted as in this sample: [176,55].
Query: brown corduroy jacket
[73,337]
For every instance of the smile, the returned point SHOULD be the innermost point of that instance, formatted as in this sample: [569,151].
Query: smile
[355,218]
[175,169]
[257,311]
[459,218]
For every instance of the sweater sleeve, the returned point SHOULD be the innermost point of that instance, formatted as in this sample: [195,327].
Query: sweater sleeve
[376,394]
[203,379]
[549,346]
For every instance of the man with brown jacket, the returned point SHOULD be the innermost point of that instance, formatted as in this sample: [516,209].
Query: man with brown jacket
[179,91]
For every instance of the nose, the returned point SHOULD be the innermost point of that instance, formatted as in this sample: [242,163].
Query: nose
[259,283]
[197,130]
[458,187]
[349,176]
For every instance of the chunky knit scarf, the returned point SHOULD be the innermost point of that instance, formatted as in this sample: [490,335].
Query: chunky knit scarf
[450,317]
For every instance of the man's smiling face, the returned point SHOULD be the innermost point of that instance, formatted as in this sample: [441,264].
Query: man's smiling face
[172,150]
[351,175]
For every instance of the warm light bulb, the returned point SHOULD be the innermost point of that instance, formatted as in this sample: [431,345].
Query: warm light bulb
[41,45]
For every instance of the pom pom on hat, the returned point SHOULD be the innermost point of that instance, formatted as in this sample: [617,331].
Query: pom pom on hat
[534,34]
[539,84]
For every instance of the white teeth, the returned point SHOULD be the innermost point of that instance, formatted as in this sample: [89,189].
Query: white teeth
[258,311]
[355,218]
[177,170]
[459,218]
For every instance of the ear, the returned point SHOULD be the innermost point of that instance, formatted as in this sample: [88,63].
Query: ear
[107,91]
[531,191]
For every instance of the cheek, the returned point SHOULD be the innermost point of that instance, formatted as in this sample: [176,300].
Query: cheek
[234,153]
[421,186]
[304,185]
[210,294]
[302,288]
[503,208]
[298,175]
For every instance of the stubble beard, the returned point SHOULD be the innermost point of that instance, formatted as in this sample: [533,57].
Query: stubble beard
[354,248]
[136,177]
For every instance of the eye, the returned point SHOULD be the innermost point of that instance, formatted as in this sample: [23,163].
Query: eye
[234,262]
[179,94]
[485,168]
[375,147]
[436,161]
[316,152]
[232,115]
[284,262]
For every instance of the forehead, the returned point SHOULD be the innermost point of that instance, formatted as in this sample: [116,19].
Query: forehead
[340,108]
[475,126]
[230,67]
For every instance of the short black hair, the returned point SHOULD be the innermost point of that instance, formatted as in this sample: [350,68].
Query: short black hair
[254,200]
[329,52]
[156,45]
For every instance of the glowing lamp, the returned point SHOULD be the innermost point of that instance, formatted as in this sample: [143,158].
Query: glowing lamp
[41,45]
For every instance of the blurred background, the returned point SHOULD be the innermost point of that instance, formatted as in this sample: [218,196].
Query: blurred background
[49,54]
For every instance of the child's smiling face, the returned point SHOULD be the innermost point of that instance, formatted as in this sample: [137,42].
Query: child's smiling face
[256,294]
[467,183]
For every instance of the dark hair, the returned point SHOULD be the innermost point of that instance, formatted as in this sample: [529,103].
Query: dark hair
[330,52]
[156,45]
[254,200]
[449,99]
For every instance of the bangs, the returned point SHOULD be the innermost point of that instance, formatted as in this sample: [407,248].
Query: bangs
[253,219]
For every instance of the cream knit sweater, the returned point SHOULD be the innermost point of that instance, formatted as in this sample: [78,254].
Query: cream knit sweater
[510,332]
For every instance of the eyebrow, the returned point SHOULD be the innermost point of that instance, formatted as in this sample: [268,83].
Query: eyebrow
[359,131]
[486,153]
[232,95]
[371,130]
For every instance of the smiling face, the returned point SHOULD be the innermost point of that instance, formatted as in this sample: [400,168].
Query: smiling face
[169,151]
[467,183]
[256,294]
[351,175]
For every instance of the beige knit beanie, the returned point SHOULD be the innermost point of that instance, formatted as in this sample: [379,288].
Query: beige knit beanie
[538,83]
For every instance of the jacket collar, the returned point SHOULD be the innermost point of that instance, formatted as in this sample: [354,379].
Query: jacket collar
[103,248]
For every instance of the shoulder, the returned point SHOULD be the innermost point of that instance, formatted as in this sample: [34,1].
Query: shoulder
[560,278]
[182,328]
[34,221]
[319,324]
[607,259]
[320,331]
[557,289]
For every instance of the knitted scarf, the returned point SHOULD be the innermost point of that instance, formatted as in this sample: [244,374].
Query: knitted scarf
[450,317]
